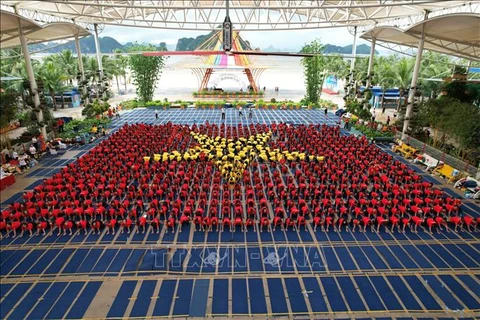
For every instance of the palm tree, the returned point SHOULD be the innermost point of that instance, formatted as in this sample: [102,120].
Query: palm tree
[434,66]
[403,77]
[53,80]
[14,65]
[385,74]
[122,64]
[69,64]
[92,74]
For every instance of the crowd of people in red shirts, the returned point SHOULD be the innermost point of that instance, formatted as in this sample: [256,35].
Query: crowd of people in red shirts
[356,186]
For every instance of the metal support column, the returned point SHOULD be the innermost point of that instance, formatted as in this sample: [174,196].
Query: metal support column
[370,63]
[413,86]
[80,63]
[99,56]
[31,78]
[352,63]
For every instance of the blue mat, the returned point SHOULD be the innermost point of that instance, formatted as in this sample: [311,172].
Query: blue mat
[451,193]
[16,197]
[331,261]
[442,292]
[35,184]
[220,297]
[404,293]
[257,296]
[433,258]
[465,297]
[49,298]
[296,296]
[314,295]
[345,258]
[165,297]
[239,296]
[42,263]
[27,262]
[386,293]
[144,297]
[120,304]
[198,305]
[431,179]
[75,261]
[134,260]
[64,302]
[387,255]
[12,298]
[470,209]
[105,260]
[333,295]
[28,302]
[184,294]
[83,301]
[422,293]
[371,298]
[351,295]
[119,261]
[90,261]
[277,296]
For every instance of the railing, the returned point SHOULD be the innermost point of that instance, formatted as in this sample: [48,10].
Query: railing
[441,155]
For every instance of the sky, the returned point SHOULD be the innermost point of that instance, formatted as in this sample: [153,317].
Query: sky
[283,40]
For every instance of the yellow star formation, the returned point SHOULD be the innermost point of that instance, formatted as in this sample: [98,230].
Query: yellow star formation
[233,156]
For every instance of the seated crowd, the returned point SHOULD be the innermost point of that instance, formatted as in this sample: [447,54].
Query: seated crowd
[333,182]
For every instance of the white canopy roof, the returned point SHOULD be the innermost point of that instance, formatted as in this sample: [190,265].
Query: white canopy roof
[34,32]
[454,34]
[245,14]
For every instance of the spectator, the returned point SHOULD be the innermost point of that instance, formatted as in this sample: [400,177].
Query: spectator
[60,124]
[22,162]
[35,142]
[33,151]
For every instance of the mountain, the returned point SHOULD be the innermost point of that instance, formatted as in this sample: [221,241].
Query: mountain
[361,49]
[162,46]
[87,45]
[189,44]
[109,45]
[271,48]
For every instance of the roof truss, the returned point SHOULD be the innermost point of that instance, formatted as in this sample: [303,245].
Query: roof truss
[245,14]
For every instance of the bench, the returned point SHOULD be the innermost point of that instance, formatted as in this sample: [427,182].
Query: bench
[403,148]
[448,172]
[428,161]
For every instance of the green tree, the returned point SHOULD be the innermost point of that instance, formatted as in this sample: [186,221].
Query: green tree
[69,64]
[95,109]
[121,64]
[313,68]
[434,68]
[449,117]
[53,78]
[146,71]
[336,66]
[8,111]
[92,74]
